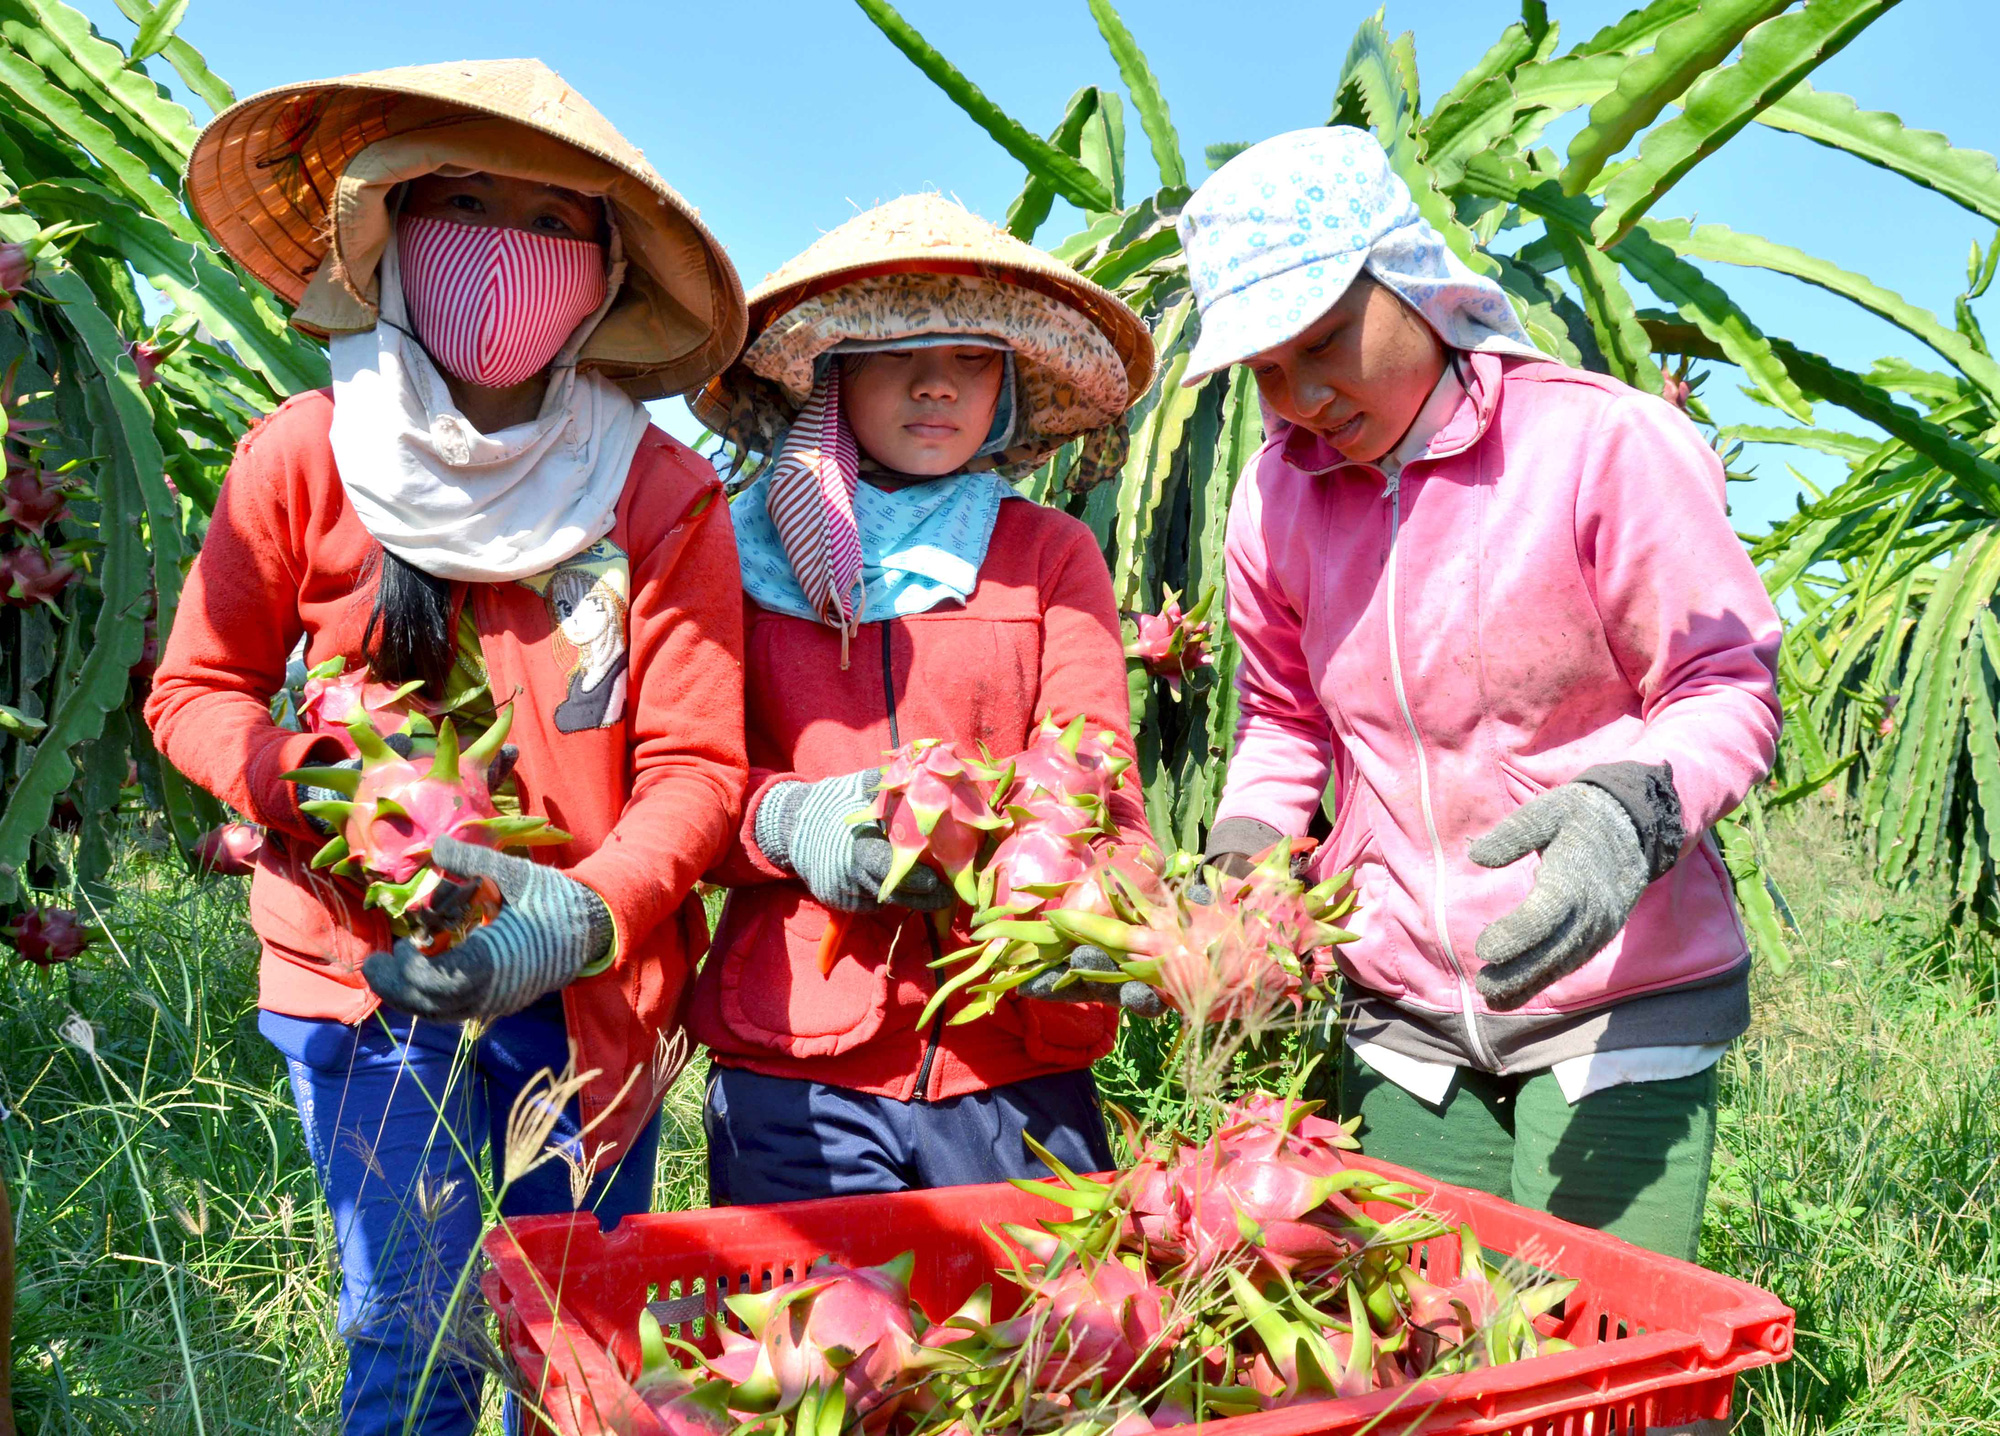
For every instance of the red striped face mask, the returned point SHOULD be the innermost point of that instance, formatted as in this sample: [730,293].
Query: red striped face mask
[494,306]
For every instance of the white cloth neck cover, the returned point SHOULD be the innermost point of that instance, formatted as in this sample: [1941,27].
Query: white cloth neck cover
[459,504]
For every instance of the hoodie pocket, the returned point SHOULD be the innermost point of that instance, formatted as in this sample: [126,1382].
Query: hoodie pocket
[775,996]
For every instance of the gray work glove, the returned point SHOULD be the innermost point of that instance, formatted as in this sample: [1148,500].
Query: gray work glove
[1603,838]
[1134,996]
[811,829]
[1233,845]
[550,927]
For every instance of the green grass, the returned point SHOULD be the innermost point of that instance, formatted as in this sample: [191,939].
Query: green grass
[1859,1148]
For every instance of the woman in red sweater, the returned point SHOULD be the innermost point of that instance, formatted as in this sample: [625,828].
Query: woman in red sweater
[478,503]
[897,588]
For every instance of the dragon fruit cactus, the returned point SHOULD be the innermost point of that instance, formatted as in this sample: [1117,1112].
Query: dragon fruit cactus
[836,1327]
[334,697]
[48,936]
[230,850]
[1172,644]
[938,810]
[394,809]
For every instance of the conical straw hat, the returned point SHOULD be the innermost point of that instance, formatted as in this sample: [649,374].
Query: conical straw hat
[265,178]
[924,234]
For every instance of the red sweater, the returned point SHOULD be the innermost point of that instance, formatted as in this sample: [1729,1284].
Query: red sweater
[1038,637]
[644,767]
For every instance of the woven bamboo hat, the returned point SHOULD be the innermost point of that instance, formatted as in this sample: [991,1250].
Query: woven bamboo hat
[923,266]
[295,184]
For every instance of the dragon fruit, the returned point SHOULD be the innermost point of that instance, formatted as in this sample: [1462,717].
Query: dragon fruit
[1172,644]
[333,698]
[1104,1321]
[1066,768]
[28,575]
[230,850]
[31,498]
[837,1326]
[1035,865]
[1242,957]
[682,1407]
[938,810]
[47,936]
[394,809]
[17,267]
[1013,938]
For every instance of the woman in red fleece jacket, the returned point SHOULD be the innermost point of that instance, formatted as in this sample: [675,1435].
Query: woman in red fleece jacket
[479,503]
[897,588]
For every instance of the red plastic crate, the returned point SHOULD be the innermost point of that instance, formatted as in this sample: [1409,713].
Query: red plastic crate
[1659,1341]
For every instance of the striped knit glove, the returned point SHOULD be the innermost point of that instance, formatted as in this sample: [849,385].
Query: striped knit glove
[812,829]
[550,927]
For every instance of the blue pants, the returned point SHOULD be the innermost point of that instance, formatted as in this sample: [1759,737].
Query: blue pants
[779,1139]
[397,1113]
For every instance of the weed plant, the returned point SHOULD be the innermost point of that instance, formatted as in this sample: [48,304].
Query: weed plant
[168,1221]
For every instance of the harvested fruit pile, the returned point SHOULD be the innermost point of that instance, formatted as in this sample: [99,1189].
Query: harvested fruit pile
[1214,1279]
[1028,845]
[410,789]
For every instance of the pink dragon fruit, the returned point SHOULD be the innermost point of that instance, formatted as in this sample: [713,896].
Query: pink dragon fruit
[1035,865]
[17,266]
[333,698]
[682,1407]
[936,809]
[28,575]
[32,499]
[1066,768]
[836,1326]
[394,809]
[1243,957]
[230,850]
[47,936]
[1100,1321]
[1172,644]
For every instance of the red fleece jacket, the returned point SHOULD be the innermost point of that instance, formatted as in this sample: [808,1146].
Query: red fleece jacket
[640,757]
[1038,638]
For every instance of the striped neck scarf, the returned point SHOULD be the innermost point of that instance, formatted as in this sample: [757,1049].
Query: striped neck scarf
[811,503]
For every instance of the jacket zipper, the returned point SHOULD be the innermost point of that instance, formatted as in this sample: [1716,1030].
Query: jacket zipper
[936,1037]
[1480,1051]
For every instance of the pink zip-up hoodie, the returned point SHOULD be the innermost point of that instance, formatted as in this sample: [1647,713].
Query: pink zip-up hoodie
[1553,584]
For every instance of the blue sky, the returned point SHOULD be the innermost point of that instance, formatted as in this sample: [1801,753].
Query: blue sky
[781,118]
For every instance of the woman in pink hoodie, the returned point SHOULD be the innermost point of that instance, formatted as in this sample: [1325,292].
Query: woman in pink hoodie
[1499,603]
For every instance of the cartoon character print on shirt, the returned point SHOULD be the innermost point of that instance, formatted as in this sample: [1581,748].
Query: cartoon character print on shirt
[586,597]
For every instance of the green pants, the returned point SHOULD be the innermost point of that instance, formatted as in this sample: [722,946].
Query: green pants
[1630,1160]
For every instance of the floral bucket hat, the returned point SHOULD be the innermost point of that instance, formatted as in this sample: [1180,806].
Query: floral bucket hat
[1274,238]
[923,267]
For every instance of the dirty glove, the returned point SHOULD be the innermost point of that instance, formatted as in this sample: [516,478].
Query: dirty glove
[1603,838]
[549,928]
[1234,843]
[1134,996]
[811,829]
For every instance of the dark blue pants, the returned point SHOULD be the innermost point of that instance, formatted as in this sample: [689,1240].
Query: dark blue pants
[397,1115]
[780,1139]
